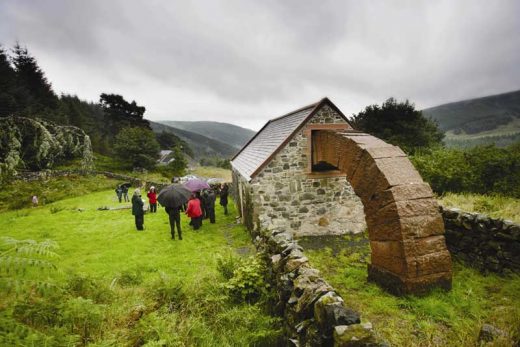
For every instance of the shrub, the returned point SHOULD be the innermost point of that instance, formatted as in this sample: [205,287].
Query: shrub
[227,264]
[482,170]
[247,283]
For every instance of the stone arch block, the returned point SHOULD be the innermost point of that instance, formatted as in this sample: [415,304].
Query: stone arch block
[405,227]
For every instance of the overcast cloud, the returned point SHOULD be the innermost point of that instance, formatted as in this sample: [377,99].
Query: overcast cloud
[245,62]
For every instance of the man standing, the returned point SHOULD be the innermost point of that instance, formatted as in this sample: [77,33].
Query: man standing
[224,192]
[119,192]
[174,214]
[124,187]
[210,205]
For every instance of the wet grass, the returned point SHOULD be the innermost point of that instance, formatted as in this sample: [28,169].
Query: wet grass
[128,287]
[439,319]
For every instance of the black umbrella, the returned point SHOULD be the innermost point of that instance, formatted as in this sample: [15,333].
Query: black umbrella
[173,195]
[127,185]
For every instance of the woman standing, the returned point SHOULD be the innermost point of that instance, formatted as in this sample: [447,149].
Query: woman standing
[152,199]
[137,209]
[194,212]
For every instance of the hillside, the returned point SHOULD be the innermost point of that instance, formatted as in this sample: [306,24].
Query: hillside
[201,145]
[224,132]
[491,119]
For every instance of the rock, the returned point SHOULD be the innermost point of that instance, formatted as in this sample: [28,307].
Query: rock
[292,246]
[275,261]
[353,335]
[489,333]
[311,293]
[329,311]
[293,264]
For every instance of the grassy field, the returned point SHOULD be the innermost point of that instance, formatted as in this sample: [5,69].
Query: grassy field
[17,194]
[210,171]
[495,206]
[115,286]
[440,319]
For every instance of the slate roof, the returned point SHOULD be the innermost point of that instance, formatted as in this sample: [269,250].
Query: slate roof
[272,137]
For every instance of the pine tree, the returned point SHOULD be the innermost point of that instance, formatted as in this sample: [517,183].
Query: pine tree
[8,104]
[34,93]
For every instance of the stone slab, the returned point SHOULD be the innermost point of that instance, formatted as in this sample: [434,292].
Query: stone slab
[405,228]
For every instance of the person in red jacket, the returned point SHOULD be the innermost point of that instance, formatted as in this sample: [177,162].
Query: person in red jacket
[194,212]
[152,199]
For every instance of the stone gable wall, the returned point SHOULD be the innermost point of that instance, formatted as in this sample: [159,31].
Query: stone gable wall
[284,197]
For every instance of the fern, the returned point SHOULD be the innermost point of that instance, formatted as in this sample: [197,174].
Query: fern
[21,256]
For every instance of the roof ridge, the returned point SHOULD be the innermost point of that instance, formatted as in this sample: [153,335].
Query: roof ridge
[298,110]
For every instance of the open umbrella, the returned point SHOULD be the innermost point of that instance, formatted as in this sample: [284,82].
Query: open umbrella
[127,185]
[173,195]
[196,184]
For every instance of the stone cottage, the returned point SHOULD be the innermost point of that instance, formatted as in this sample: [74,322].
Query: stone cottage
[279,184]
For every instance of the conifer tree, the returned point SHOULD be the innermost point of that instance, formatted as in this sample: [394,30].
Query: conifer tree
[7,85]
[34,93]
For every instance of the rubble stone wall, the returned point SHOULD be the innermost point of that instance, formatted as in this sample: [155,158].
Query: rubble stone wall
[314,314]
[482,242]
[286,197]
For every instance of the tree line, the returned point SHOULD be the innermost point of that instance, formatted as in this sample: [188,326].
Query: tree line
[116,127]
[484,169]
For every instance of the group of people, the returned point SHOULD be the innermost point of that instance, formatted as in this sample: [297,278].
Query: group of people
[122,192]
[200,206]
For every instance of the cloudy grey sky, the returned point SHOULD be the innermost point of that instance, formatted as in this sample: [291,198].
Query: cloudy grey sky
[245,62]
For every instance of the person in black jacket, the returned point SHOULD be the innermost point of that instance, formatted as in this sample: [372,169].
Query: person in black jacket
[174,213]
[224,192]
[210,205]
[137,209]
[119,192]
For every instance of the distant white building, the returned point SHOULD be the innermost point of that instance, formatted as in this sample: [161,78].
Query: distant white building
[166,157]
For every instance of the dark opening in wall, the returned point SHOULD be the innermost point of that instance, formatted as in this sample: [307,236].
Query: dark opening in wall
[319,165]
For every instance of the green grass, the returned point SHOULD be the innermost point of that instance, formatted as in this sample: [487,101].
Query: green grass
[495,206]
[211,171]
[17,194]
[438,319]
[118,286]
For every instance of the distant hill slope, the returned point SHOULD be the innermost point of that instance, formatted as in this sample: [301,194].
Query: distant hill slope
[491,119]
[224,132]
[201,146]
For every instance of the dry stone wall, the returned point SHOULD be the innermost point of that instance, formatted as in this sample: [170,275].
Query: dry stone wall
[286,197]
[314,314]
[482,242]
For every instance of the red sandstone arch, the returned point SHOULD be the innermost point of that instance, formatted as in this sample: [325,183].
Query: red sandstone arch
[405,227]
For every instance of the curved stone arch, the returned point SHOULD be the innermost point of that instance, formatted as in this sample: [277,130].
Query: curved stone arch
[405,227]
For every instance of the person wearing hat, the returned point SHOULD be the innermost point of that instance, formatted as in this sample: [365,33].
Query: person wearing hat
[152,199]
[137,209]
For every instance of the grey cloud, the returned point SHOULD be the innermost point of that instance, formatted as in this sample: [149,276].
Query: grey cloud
[241,60]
